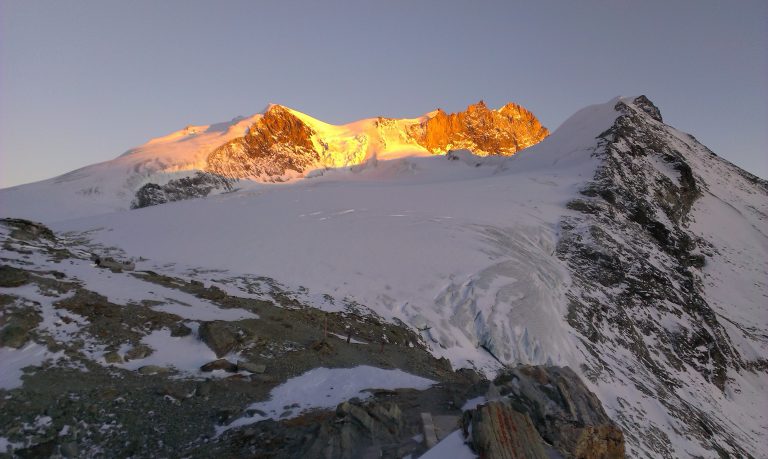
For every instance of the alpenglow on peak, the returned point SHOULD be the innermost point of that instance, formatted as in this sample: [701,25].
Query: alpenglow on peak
[283,141]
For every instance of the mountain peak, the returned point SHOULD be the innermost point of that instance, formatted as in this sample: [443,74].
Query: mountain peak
[645,104]
[284,141]
[480,105]
[482,131]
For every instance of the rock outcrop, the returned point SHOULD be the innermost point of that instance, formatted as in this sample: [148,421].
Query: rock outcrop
[641,269]
[199,185]
[276,143]
[496,431]
[540,412]
[283,143]
[480,130]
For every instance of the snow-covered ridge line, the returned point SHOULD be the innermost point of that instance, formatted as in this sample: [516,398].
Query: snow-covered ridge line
[276,145]
[663,232]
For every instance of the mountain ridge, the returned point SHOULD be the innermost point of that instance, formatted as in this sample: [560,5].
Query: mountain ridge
[618,246]
[277,145]
[285,141]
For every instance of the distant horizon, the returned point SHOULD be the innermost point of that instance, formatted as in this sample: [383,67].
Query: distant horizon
[130,72]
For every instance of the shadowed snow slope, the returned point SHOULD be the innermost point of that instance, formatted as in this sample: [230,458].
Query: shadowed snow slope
[536,258]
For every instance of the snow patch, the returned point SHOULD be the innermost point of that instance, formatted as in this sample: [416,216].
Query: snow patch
[326,388]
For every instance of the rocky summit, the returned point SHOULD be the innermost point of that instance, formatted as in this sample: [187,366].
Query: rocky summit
[480,130]
[284,141]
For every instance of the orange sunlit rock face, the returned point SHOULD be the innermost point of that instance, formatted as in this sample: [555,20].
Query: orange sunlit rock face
[275,143]
[284,142]
[481,130]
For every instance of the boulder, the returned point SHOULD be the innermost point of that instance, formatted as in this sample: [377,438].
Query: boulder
[69,449]
[219,336]
[496,431]
[114,265]
[113,357]
[179,330]
[18,328]
[138,352]
[13,335]
[220,364]
[565,413]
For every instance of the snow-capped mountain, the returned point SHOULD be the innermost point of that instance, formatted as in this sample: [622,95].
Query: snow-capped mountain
[276,145]
[617,246]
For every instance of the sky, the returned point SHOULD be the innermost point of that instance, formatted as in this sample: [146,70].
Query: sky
[83,81]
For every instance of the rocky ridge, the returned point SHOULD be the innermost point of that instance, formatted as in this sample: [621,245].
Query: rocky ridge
[640,269]
[480,130]
[284,142]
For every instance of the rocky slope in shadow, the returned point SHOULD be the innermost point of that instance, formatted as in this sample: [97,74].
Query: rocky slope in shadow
[638,301]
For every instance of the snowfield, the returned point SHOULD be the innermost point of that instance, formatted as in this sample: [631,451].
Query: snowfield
[459,247]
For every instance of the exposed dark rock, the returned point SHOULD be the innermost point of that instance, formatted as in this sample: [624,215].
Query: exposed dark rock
[114,265]
[137,352]
[220,336]
[631,247]
[648,107]
[565,413]
[113,357]
[25,230]
[199,185]
[220,364]
[180,330]
[496,431]
[14,335]
[17,326]
[356,430]
[12,277]
[69,449]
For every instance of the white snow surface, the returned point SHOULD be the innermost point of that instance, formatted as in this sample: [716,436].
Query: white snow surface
[326,388]
[450,447]
[186,354]
[462,247]
[110,186]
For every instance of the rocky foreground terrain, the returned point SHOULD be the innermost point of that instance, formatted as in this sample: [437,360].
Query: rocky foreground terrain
[86,387]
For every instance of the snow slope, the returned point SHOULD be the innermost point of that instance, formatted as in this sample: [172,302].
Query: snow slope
[465,249]
[111,185]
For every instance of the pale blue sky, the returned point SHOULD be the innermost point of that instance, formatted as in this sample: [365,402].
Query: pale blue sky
[83,81]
